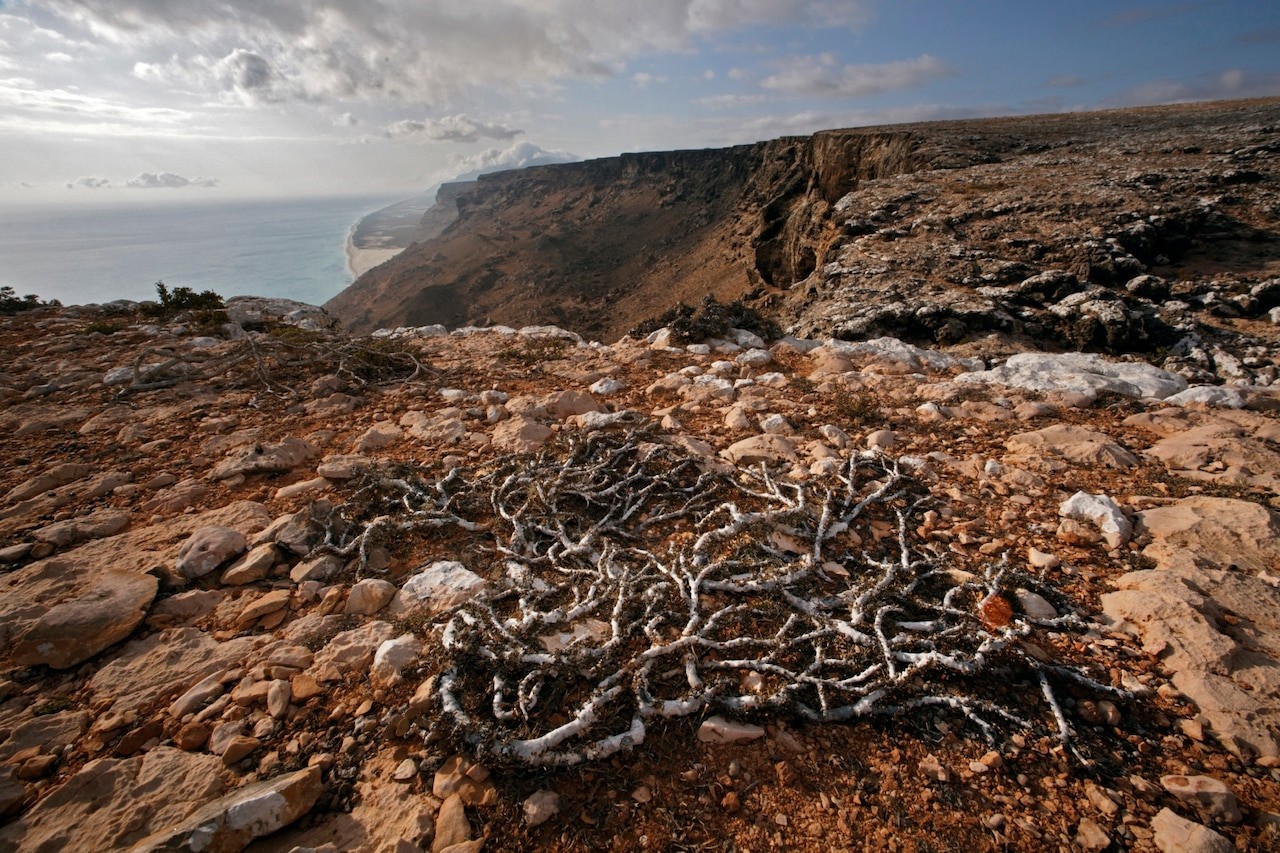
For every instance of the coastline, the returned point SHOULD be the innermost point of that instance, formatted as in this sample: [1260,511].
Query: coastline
[360,259]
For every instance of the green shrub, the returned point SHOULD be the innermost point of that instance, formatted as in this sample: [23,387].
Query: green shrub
[12,303]
[180,299]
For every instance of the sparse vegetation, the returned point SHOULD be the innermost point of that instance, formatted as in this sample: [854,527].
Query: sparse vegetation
[180,299]
[710,319]
[535,351]
[12,303]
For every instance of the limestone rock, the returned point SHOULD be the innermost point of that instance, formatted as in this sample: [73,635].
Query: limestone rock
[253,566]
[102,613]
[1081,373]
[95,525]
[369,596]
[461,777]
[520,434]
[117,802]
[452,828]
[392,657]
[1205,792]
[1175,834]
[1070,443]
[265,459]
[540,807]
[208,548]
[58,475]
[772,449]
[1103,512]
[436,588]
[231,822]
[165,664]
[353,650]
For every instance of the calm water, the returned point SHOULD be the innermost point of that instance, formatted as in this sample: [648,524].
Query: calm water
[292,249]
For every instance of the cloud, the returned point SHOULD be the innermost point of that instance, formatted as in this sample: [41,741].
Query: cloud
[1066,81]
[1232,83]
[823,76]
[167,180]
[266,51]
[458,128]
[59,56]
[88,184]
[644,78]
[518,156]
[728,102]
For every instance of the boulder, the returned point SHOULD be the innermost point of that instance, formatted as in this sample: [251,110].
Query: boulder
[1081,373]
[436,588]
[231,822]
[101,613]
[112,804]
[770,449]
[1069,443]
[353,650]
[207,549]
[1173,833]
[520,434]
[369,596]
[265,459]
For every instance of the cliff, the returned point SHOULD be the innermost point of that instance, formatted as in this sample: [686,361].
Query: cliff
[927,231]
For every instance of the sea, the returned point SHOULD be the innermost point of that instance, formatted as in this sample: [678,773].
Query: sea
[294,249]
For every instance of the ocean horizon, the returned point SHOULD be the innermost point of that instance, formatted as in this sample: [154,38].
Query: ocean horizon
[289,248]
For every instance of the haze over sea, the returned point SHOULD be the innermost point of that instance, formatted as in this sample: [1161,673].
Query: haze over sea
[293,249]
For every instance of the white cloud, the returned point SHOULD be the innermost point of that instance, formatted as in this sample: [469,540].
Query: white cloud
[516,156]
[58,56]
[824,76]
[457,128]
[89,183]
[167,180]
[727,102]
[420,52]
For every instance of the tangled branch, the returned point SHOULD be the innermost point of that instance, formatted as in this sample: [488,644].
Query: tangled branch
[636,584]
[278,363]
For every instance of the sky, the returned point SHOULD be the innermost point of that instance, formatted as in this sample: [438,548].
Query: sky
[126,100]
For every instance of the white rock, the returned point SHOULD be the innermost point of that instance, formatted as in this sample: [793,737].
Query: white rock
[1034,605]
[1040,560]
[118,376]
[1103,512]
[835,436]
[392,657]
[754,358]
[606,386]
[1216,396]
[719,730]
[746,340]
[775,425]
[231,822]
[436,588]
[736,419]
[1083,373]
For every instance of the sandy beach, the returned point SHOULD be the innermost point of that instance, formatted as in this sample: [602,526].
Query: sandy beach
[360,260]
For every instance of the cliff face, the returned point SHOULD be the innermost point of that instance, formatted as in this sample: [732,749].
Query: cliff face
[1036,228]
[600,245]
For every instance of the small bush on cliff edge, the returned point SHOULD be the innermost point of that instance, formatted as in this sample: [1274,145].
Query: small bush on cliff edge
[174,302]
[12,303]
[711,319]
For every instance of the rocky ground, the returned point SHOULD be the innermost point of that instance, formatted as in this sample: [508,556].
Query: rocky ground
[260,582]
